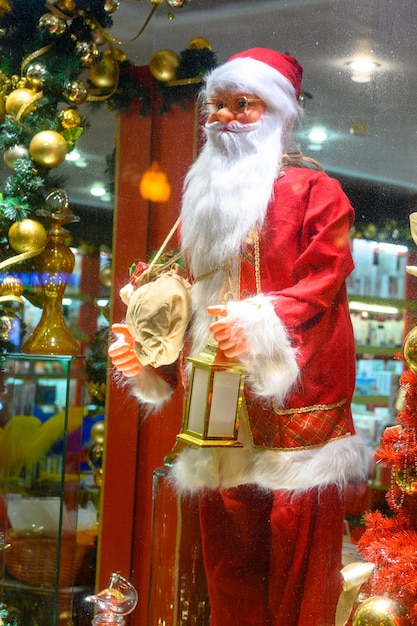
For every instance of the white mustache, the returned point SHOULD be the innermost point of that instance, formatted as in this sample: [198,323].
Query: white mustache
[232,127]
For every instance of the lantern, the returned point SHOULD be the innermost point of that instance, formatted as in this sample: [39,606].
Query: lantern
[214,400]
[154,185]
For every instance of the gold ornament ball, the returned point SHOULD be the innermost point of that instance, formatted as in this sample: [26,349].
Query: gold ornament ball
[381,611]
[410,350]
[104,74]
[12,154]
[110,6]
[106,276]
[69,118]
[75,92]
[199,43]
[37,74]
[52,24]
[66,5]
[48,148]
[20,98]
[2,111]
[88,52]
[163,65]
[11,286]
[97,433]
[406,481]
[27,236]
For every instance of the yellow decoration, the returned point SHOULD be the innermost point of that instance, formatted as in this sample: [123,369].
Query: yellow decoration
[54,266]
[75,91]
[48,148]
[21,101]
[199,43]
[66,5]
[27,236]
[105,276]
[11,286]
[25,439]
[410,349]
[381,611]
[154,185]
[105,73]
[5,7]
[69,118]
[97,432]
[406,481]
[117,54]
[12,154]
[163,65]
[2,107]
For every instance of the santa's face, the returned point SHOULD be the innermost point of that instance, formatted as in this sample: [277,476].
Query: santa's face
[231,108]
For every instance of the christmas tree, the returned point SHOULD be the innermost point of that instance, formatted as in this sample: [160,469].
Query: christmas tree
[390,540]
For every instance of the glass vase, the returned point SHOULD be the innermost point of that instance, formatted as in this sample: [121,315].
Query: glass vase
[54,267]
[178,590]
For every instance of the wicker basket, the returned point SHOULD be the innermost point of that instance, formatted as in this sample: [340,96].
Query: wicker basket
[34,560]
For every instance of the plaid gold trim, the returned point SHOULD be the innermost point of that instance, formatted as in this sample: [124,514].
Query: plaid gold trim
[305,427]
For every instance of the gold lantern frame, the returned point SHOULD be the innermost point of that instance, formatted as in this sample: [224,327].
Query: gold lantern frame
[214,401]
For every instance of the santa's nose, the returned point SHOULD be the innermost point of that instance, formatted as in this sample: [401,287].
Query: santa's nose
[225,115]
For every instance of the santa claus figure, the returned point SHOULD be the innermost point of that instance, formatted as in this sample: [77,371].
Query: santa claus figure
[273,235]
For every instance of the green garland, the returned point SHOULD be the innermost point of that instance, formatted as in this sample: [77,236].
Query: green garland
[50,49]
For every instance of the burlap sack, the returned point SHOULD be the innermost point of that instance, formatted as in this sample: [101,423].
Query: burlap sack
[158,314]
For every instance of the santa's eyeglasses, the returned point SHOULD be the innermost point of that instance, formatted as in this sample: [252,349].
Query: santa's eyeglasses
[236,104]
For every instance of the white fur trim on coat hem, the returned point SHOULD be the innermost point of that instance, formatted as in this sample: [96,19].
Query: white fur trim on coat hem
[339,461]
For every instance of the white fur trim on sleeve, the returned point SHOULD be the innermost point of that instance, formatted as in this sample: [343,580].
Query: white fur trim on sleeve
[150,389]
[271,364]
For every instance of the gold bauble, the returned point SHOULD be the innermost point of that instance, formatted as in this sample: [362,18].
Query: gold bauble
[406,480]
[69,118]
[75,91]
[36,74]
[87,52]
[2,111]
[66,5]
[105,276]
[52,24]
[410,350]
[11,286]
[163,65]
[199,43]
[97,432]
[105,73]
[20,99]
[48,148]
[110,6]
[381,611]
[12,154]
[27,236]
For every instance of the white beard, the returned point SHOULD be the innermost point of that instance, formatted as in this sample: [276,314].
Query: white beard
[226,195]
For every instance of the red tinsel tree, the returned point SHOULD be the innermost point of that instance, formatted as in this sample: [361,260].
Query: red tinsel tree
[390,541]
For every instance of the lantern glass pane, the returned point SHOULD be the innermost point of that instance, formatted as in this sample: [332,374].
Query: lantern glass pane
[198,401]
[224,404]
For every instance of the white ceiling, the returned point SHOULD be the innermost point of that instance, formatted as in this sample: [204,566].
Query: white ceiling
[324,35]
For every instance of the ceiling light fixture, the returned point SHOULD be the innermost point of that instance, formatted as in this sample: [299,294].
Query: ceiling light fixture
[362,69]
[97,189]
[317,135]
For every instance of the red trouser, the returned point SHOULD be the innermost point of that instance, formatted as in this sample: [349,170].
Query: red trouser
[272,559]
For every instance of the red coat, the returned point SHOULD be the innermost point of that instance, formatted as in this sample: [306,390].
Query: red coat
[305,258]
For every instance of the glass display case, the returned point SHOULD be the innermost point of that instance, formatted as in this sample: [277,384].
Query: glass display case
[41,417]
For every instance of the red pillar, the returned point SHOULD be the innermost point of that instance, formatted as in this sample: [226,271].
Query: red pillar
[135,446]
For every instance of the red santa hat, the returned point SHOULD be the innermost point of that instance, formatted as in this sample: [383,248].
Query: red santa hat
[273,76]
[285,64]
